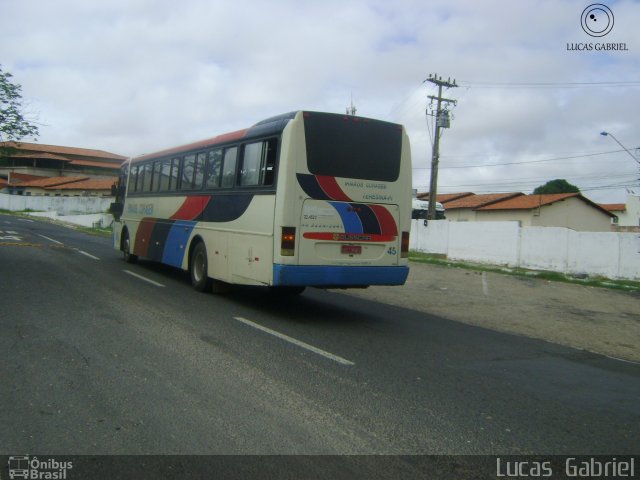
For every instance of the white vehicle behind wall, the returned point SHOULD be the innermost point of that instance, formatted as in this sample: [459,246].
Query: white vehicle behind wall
[420,210]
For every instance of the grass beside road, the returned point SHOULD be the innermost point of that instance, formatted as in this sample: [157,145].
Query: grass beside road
[597,281]
[101,232]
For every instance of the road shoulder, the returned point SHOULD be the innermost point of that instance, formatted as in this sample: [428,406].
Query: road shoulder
[588,318]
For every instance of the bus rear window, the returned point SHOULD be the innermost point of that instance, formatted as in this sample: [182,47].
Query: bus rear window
[352,147]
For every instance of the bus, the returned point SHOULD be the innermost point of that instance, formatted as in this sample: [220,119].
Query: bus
[297,200]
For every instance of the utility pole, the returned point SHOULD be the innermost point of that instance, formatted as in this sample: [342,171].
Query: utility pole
[442,121]
[352,109]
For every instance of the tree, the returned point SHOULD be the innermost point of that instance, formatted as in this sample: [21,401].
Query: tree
[13,124]
[559,185]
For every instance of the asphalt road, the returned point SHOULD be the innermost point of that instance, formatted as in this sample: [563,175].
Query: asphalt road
[102,357]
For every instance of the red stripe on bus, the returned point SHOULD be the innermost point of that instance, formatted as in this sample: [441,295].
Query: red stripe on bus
[348,237]
[332,189]
[143,236]
[388,224]
[191,207]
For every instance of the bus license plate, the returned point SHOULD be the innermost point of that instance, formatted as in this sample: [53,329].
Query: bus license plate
[351,249]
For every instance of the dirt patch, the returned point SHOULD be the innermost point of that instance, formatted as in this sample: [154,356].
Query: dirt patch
[594,319]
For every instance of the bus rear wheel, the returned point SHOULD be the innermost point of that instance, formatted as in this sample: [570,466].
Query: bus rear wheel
[126,248]
[198,267]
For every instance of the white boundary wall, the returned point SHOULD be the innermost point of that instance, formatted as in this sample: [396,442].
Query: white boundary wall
[91,220]
[613,255]
[60,205]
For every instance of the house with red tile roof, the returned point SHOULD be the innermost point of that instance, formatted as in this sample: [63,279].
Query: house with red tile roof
[569,210]
[628,214]
[445,197]
[463,209]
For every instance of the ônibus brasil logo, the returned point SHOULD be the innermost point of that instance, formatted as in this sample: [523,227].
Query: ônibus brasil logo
[23,466]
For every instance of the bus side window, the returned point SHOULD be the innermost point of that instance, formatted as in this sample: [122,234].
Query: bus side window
[174,176]
[133,178]
[258,162]
[165,175]
[214,165]
[229,167]
[198,175]
[269,165]
[146,177]
[188,170]
[155,179]
[251,160]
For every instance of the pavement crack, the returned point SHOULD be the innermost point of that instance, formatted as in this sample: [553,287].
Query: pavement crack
[86,359]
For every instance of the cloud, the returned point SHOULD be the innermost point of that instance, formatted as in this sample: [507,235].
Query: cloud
[139,75]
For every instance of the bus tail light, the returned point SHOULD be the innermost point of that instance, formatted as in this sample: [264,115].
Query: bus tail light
[288,241]
[404,246]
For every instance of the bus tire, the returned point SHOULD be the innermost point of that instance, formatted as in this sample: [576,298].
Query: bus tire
[126,248]
[198,268]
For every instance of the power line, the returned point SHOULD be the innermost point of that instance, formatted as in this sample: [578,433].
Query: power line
[525,161]
[534,181]
[606,84]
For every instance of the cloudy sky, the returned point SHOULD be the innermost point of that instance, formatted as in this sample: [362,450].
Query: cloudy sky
[135,76]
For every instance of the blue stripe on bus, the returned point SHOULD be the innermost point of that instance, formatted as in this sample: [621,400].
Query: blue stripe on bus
[176,243]
[312,275]
[350,218]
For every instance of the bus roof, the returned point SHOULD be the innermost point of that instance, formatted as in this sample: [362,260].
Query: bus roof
[269,126]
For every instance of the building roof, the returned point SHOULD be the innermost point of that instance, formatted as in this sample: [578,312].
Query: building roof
[40,156]
[91,163]
[477,201]
[91,184]
[614,207]
[530,202]
[445,197]
[16,178]
[51,181]
[55,149]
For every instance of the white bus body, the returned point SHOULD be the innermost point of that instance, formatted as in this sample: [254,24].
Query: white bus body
[301,199]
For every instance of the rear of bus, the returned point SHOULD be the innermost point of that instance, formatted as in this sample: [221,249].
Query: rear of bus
[343,208]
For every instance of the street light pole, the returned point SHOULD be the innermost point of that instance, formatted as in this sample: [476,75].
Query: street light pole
[607,134]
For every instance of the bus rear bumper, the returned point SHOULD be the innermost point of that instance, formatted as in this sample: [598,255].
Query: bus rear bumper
[338,276]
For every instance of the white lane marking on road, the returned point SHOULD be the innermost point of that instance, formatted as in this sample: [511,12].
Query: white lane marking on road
[485,284]
[299,343]
[25,220]
[50,239]
[148,280]
[88,255]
